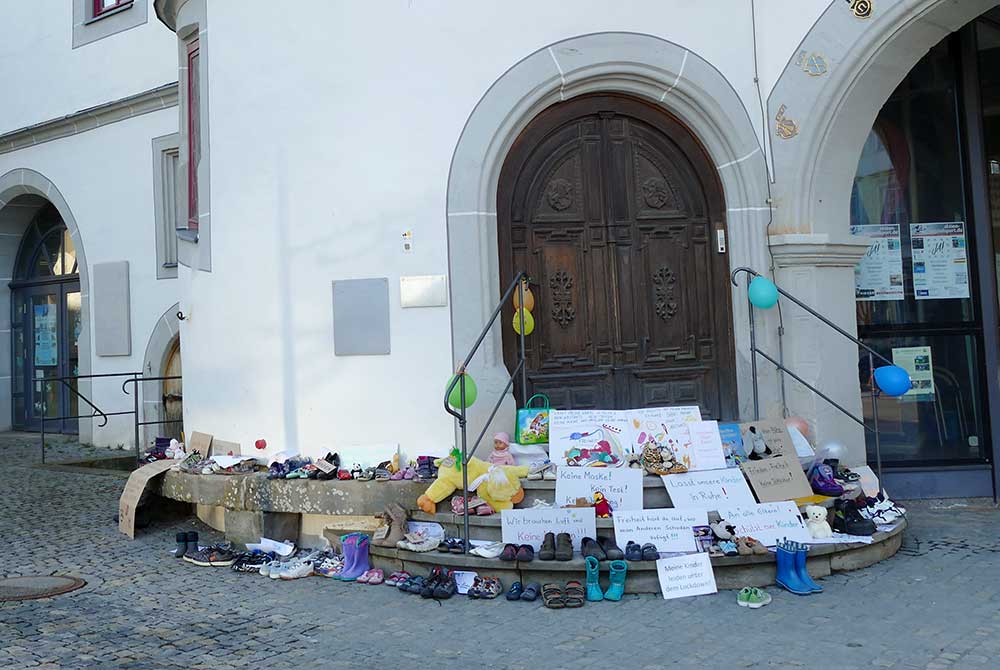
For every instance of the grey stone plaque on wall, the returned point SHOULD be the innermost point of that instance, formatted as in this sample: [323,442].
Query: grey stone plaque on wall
[112,321]
[361,317]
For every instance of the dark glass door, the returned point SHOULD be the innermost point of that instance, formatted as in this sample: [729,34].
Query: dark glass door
[46,347]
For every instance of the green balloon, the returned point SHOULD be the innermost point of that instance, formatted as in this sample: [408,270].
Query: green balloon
[455,397]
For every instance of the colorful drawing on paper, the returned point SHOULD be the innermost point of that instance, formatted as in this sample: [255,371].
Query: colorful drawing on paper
[589,438]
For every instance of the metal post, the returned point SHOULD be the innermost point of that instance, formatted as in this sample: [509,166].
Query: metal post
[524,368]
[753,356]
[135,405]
[465,466]
[43,426]
[878,445]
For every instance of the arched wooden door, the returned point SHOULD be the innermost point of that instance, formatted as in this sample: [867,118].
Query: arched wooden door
[614,210]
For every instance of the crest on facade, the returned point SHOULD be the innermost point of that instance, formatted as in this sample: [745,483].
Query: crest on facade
[785,128]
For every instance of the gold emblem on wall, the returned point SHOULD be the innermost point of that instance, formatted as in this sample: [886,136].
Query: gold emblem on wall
[813,64]
[785,127]
[861,8]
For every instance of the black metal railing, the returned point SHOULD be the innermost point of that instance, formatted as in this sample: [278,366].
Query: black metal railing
[871,355]
[133,378]
[461,413]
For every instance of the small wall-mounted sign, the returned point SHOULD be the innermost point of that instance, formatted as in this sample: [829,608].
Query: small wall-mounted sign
[423,291]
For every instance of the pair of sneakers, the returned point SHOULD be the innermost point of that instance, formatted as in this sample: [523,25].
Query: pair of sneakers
[881,510]
[215,556]
[752,597]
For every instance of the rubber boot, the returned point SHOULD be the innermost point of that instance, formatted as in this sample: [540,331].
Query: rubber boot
[348,544]
[786,576]
[182,545]
[360,564]
[800,569]
[616,589]
[594,592]
[192,541]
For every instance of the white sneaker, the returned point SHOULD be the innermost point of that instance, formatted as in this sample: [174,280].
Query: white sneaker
[538,503]
[492,550]
[265,569]
[297,569]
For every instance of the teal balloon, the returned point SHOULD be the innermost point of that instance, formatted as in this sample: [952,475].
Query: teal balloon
[893,380]
[455,397]
[763,293]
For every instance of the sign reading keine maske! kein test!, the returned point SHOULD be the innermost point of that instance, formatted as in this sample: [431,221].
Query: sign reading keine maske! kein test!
[940,266]
[622,487]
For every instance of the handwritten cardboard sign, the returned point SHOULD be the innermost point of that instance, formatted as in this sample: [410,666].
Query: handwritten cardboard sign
[683,576]
[200,442]
[706,446]
[774,479]
[709,489]
[767,522]
[671,530]
[621,486]
[766,438]
[528,526]
[134,488]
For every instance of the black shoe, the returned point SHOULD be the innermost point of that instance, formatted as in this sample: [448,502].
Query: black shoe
[590,547]
[847,519]
[181,545]
[192,542]
[611,550]
[435,579]
[447,587]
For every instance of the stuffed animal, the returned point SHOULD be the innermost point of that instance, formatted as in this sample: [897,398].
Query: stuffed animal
[500,488]
[816,522]
[723,530]
[602,508]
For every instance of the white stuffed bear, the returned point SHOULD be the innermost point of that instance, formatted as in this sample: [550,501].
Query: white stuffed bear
[816,522]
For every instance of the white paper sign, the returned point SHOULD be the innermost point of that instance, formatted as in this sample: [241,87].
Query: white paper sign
[598,434]
[528,526]
[879,273]
[940,266]
[683,576]
[709,489]
[706,446]
[621,486]
[463,580]
[802,447]
[429,528]
[768,522]
[671,530]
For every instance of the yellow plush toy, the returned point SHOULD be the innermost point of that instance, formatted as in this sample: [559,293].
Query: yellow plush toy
[499,487]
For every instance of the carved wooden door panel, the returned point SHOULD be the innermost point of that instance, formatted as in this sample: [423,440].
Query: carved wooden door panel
[611,207]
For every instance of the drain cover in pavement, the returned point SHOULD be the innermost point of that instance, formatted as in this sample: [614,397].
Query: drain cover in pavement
[37,586]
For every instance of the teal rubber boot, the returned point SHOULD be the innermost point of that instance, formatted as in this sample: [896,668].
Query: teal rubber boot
[616,590]
[594,592]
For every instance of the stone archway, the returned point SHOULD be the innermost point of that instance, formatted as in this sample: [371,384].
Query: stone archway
[641,65]
[22,192]
[161,343]
[820,112]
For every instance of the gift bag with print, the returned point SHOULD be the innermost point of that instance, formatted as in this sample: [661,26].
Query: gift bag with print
[533,421]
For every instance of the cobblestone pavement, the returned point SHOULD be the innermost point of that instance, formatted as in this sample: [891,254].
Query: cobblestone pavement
[935,605]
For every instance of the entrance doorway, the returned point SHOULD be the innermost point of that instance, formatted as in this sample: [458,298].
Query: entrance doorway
[615,212]
[45,325]
[173,395]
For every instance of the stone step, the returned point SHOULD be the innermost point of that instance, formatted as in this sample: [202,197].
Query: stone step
[731,572]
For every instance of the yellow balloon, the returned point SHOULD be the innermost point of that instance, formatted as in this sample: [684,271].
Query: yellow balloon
[529,322]
[529,298]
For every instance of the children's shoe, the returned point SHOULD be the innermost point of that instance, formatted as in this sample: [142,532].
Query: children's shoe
[823,483]
[296,570]
[753,598]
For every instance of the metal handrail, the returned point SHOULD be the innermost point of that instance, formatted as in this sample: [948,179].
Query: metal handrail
[459,380]
[871,354]
[134,378]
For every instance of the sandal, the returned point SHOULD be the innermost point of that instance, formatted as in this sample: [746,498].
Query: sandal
[552,596]
[446,587]
[531,592]
[363,579]
[492,587]
[475,591]
[573,594]
[397,577]
[516,589]
[649,552]
[376,578]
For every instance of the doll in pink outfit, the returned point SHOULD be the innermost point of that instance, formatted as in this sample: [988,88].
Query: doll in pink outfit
[501,450]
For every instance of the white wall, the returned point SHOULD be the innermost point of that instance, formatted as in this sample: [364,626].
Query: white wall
[106,177]
[44,78]
[322,155]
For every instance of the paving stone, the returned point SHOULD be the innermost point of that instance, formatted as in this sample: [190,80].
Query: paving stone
[934,605]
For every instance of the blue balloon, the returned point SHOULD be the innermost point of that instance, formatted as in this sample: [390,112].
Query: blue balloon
[893,380]
[763,293]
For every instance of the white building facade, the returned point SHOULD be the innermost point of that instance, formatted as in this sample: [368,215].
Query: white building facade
[354,185]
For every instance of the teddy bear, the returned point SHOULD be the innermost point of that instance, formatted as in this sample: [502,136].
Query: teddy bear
[816,522]
[498,485]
